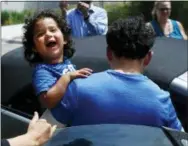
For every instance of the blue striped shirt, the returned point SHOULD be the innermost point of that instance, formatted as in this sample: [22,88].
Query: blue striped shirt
[97,24]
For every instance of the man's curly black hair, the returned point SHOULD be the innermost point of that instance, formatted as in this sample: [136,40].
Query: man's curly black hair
[130,38]
[28,43]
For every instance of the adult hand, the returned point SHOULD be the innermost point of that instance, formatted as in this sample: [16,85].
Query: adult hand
[83,7]
[40,130]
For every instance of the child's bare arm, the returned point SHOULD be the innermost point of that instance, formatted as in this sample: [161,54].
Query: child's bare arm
[56,92]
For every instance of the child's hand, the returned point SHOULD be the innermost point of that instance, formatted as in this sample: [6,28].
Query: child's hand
[81,73]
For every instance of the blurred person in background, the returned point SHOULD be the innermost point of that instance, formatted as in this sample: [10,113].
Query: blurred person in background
[163,25]
[86,19]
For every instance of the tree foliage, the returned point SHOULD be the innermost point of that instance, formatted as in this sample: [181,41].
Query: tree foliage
[115,10]
[179,10]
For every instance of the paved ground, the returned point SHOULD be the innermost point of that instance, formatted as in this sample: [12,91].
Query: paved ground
[11,37]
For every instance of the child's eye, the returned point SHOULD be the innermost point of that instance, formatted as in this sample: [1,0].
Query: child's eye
[39,34]
[53,30]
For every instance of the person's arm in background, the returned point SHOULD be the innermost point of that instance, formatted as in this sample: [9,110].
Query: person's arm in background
[39,132]
[50,95]
[63,5]
[182,30]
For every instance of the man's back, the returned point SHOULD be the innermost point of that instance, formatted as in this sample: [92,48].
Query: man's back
[113,97]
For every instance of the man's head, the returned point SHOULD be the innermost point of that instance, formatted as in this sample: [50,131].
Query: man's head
[87,2]
[83,6]
[130,39]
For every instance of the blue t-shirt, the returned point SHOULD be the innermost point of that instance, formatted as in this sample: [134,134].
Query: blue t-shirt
[116,98]
[174,34]
[46,75]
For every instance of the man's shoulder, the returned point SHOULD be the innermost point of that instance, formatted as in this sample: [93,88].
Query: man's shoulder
[98,74]
[93,81]
[155,89]
[98,9]
[71,11]
[95,77]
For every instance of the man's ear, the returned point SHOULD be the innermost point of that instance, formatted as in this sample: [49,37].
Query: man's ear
[147,58]
[109,53]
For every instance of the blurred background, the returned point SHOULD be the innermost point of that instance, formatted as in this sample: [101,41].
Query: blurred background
[15,12]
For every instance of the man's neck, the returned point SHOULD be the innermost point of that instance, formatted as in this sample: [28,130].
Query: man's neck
[127,66]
